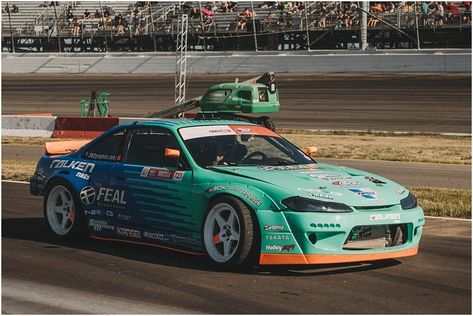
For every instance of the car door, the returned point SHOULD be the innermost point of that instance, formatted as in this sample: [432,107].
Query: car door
[157,183]
[100,158]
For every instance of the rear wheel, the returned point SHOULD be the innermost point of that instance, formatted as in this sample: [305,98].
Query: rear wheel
[229,233]
[62,212]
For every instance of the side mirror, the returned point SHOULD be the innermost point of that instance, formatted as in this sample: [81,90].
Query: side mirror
[172,153]
[310,150]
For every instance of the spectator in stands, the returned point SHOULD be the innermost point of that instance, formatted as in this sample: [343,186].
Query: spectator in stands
[15,9]
[452,12]
[76,27]
[87,14]
[6,9]
[69,16]
[97,14]
[120,24]
[136,23]
[232,6]
[466,16]
[243,18]
[439,15]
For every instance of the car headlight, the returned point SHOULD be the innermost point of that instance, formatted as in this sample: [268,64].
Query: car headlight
[409,202]
[301,204]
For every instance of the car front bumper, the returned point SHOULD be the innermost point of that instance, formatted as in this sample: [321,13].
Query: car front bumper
[286,236]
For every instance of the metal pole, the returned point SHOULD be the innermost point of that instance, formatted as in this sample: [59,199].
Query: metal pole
[57,28]
[307,28]
[152,25]
[417,26]
[103,26]
[11,29]
[254,25]
[364,26]
[202,26]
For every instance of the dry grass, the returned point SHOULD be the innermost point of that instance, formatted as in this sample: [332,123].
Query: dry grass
[435,202]
[444,202]
[411,148]
[32,140]
[18,170]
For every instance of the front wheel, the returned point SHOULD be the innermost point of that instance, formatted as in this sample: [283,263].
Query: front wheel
[62,212]
[229,233]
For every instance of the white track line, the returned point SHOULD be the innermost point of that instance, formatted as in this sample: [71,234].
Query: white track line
[434,217]
[449,218]
[13,181]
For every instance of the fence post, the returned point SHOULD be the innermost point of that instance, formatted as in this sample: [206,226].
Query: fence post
[364,26]
[57,28]
[11,29]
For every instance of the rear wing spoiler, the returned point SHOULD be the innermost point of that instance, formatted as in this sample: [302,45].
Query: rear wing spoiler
[65,147]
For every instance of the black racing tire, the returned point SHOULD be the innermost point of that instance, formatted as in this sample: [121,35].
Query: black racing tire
[247,248]
[76,226]
[267,122]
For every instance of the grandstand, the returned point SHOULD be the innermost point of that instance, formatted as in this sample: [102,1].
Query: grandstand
[37,26]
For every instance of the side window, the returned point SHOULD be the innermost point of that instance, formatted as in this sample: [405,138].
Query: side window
[108,149]
[147,147]
[218,95]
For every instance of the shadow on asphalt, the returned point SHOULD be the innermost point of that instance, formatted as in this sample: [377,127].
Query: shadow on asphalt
[35,229]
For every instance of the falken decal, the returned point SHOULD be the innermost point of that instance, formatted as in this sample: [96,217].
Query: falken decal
[162,174]
[383,217]
[72,164]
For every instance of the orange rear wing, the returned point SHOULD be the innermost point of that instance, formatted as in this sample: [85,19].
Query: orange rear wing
[62,148]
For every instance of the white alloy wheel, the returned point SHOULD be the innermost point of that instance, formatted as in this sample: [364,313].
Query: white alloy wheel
[60,210]
[222,231]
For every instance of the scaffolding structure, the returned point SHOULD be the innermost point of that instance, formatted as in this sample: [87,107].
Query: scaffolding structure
[181,59]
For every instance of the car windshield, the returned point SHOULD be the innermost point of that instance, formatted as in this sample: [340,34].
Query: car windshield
[233,149]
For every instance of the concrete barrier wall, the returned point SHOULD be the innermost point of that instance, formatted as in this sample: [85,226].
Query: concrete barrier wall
[238,62]
[28,126]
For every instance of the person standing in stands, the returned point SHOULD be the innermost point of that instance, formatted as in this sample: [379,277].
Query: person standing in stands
[86,14]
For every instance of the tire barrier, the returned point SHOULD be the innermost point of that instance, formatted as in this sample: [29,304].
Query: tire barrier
[28,126]
[82,127]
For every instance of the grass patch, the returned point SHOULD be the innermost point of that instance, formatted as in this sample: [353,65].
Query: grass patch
[444,202]
[9,140]
[391,147]
[356,145]
[435,202]
[18,170]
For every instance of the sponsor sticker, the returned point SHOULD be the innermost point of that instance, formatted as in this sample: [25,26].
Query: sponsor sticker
[126,232]
[162,174]
[383,217]
[205,131]
[365,193]
[277,237]
[346,183]
[72,164]
[247,194]
[99,213]
[155,236]
[99,225]
[400,191]
[82,175]
[273,227]
[375,181]
[87,195]
[280,247]
[289,167]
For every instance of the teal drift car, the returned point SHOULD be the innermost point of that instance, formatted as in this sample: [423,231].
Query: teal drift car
[235,192]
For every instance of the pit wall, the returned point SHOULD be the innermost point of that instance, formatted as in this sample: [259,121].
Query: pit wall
[239,62]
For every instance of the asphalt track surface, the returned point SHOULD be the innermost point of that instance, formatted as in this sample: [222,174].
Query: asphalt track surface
[409,174]
[435,102]
[42,275]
